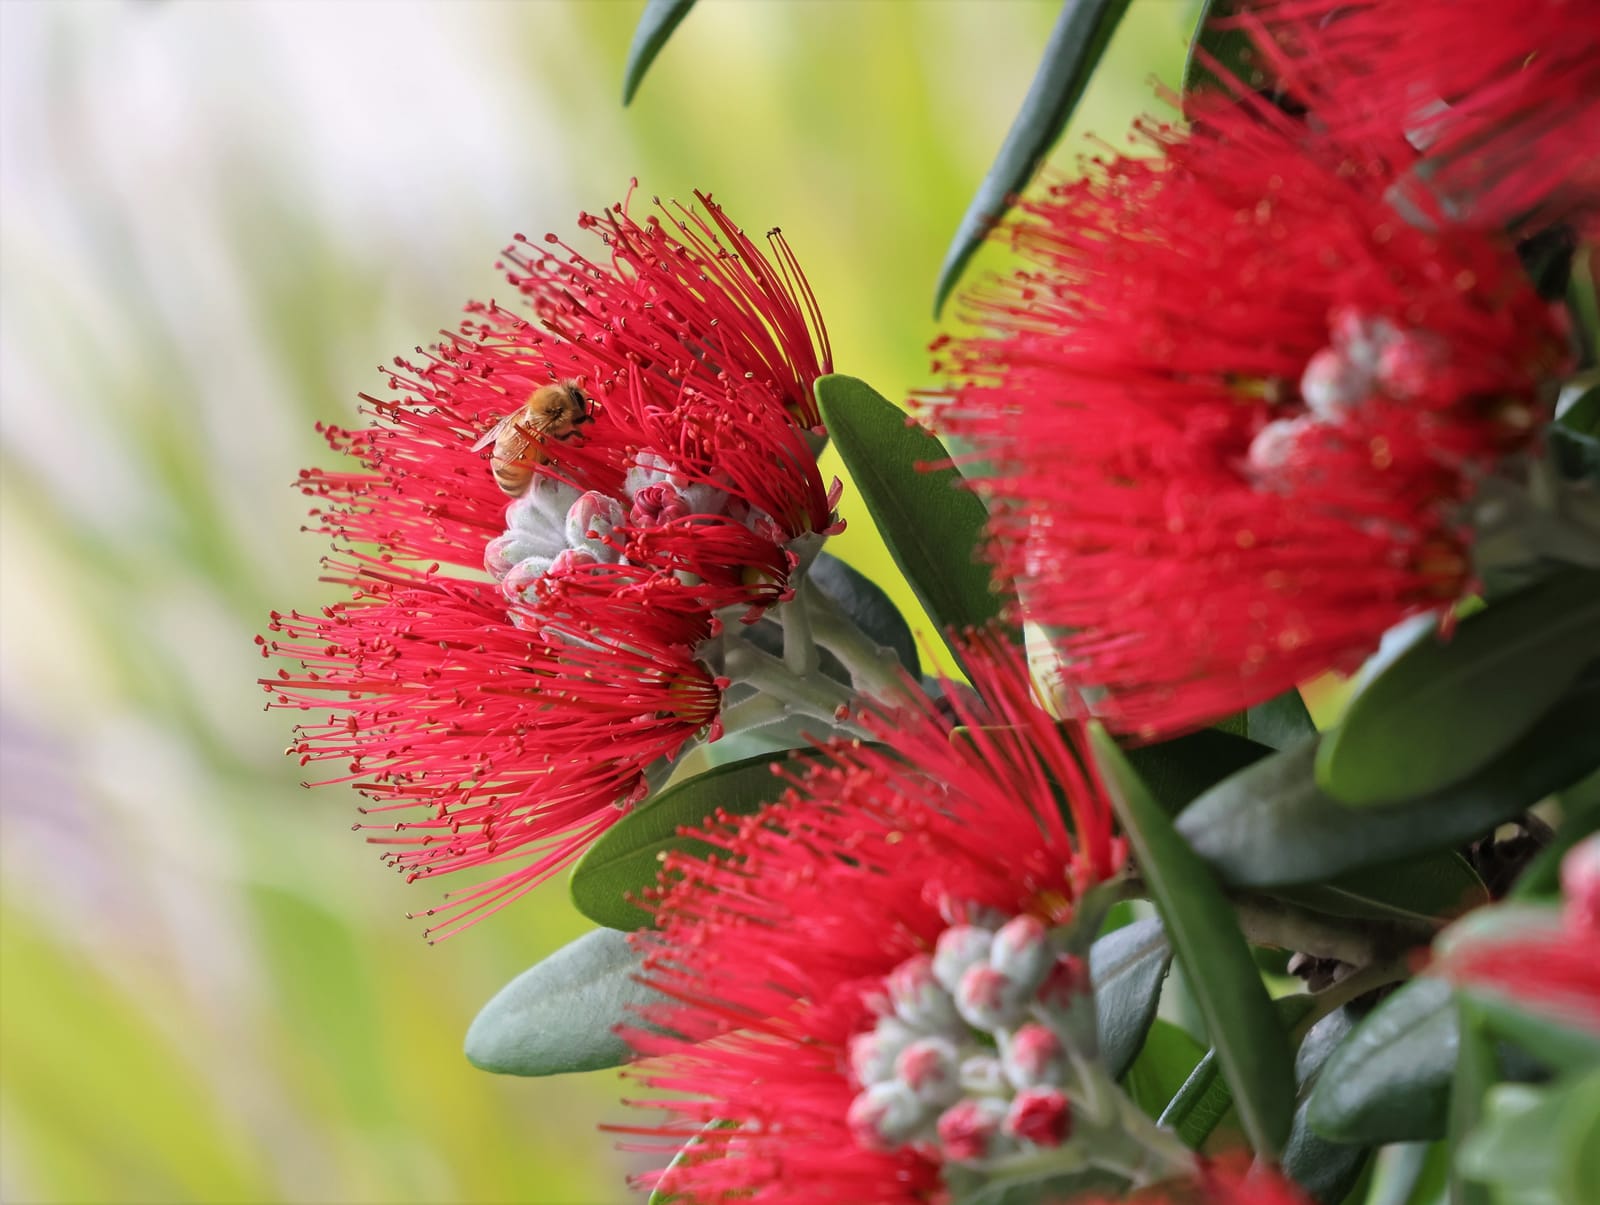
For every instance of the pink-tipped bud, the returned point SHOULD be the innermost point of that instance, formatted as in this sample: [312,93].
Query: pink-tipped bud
[590,522]
[885,1116]
[988,1000]
[1034,1056]
[1067,980]
[657,504]
[1409,363]
[970,1130]
[1021,952]
[1580,883]
[1041,1116]
[872,1054]
[1332,385]
[917,997]
[930,1068]
[960,947]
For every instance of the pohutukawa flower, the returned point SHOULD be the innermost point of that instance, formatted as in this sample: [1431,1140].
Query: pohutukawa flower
[824,965]
[1237,411]
[550,519]
[1495,104]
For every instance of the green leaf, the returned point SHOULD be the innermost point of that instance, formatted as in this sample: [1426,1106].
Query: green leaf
[1127,967]
[1386,1083]
[1440,711]
[558,1015]
[867,606]
[1079,38]
[1282,722]
[1523,1139]
[1422,892]
[1198,1106]
[656,24]
[1326,1170]
[1270,825]
[1165,1062]
[627,857]
[932,526]
[1239,1016]
[1410,1173]
[1231,48]
[1176,771]
[1474,1076]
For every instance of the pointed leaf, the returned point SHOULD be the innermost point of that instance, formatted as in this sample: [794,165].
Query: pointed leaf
[1166,1060]
[1270,825]
[558,1015]
[1326,1170]
[656,25]
[1439,711]
[1250,1044]
[1386,1083]
[1079,38]
[1281,722]
[1178,770]
[1422,892]
[932,526]
[1127,966]
[627,857]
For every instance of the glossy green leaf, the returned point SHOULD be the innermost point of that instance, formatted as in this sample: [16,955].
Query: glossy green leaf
[1421,892]
[1386,1083]
[1127,966]
[1177,771]
[656,24]
[1281,722]
[1474,1076]
[558,1015]
[1442,710]
[1270,825]
[1409,1173]
[1239,1016]
[1166,1060]
[1079,38]
[1521,1142]
[1583,302]
[867,606]
[626,859]
[1200,1104]
[1231,48]
[932,527]
[1326,1170]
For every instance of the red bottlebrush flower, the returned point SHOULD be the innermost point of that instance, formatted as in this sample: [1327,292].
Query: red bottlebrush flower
[516,744]
[1236,410]
[666,476]
[1548,965]
[1497,104]
[814,962]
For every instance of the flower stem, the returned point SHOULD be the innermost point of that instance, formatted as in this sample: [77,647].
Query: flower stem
[810,695]
[874,669]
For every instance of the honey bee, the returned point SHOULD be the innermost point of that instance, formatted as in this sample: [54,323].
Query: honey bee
[520,438]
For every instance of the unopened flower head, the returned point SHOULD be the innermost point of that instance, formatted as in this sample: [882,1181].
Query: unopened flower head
[863,974]
[551,517]
[1236,410]
[1487,110]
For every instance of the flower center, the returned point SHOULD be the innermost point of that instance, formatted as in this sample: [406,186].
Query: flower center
[967,1060]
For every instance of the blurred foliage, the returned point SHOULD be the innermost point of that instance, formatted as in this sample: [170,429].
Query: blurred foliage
[216,217]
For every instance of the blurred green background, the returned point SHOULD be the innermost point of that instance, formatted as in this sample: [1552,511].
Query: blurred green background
[217,217]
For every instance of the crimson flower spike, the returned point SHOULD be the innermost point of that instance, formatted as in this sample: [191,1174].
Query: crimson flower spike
[506,719]
[1236,412]
[850,962]
[1492,106]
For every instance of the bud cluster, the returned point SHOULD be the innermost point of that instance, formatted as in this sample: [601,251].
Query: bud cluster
[968,1060]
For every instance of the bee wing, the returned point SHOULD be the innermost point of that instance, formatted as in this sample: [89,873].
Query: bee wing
[493,433]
